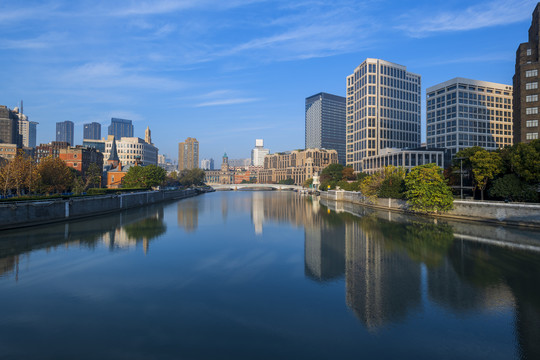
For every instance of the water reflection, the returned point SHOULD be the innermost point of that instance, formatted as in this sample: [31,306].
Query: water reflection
[123,230]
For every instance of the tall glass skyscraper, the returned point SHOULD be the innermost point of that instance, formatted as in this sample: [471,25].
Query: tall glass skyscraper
[326,123]
[121,128]
[92,131]
[64,132]
[383,110]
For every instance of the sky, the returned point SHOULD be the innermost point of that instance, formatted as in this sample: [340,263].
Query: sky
[229,72]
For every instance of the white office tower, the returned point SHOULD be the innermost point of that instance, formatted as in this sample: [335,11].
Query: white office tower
[383,110]
[462,113]
[258,153]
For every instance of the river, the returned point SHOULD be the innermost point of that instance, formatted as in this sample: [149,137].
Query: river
[268,275]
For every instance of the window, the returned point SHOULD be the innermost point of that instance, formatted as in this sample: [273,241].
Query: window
[531,73]
[532,123]
[529,52]
[531,85]
[531,98]
[532,136]
[531,110]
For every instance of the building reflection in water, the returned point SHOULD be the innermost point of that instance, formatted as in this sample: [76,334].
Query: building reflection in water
[188,214]
[124,230]
[384,259]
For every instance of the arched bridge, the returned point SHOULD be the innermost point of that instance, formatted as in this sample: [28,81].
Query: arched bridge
[255,187]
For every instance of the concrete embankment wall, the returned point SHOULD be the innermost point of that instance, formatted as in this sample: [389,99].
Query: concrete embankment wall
[27,213]
[490,211]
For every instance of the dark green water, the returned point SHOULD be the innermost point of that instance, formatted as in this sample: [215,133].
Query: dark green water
[268,275]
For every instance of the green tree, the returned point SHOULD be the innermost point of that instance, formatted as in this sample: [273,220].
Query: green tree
[511,187]
[485,166]
[93,176]
[427,190]
[192,177]
[288,181]
[54,175]
[308,183]
[333,172]
[525,161]
[143,176]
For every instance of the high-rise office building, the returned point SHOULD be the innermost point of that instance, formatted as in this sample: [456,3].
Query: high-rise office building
[9,127]
[188,154]
[326,123]
[64,132]
[92,131]
[526,90]
[383,110]
[462,113]
[27,129]
[258,153]
[120,128]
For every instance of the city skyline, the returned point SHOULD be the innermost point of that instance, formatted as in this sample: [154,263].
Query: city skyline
[205,71]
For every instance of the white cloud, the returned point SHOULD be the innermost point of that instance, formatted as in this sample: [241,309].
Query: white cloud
[486,14]
[231,101]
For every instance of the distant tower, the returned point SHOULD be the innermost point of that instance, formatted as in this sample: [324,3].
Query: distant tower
[121,128]
[64,132]
[148,135]
[258,153]
[92,131]
[225,163]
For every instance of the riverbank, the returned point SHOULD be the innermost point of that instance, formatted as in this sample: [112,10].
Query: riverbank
[517,214]
[30,213]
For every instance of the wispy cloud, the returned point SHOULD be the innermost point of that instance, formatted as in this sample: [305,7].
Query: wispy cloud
[170,6]
[114,75]
[227,102]
[43,41]
[487,14]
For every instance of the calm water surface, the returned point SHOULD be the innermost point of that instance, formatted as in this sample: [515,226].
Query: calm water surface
[268,275]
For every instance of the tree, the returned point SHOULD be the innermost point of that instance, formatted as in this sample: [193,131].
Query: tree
[288,181]
[511,187]
[192,177]
[18,174]
[54,175]
[308,183]
[93,176]
[427,190]
[143,176]
[485,166]
[333,172]
[348,173]
[525,161]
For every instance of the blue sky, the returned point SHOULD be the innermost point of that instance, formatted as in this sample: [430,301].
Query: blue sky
[228,72]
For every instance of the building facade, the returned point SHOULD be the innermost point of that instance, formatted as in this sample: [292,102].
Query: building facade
[462,113]
[80,158]
[120,128]
[298,165]
[405,158]
[525,81]
[383,110]
[207,164]
[92,131]
[326,123]
[51,149]
[188,154]
[28,131]
[9,127]
[64,132]
[8,151]
[258,153]
[132,150]
[222,176]
[99,145]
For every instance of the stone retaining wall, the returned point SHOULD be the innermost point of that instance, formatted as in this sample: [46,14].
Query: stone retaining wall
[27,213]
[492,211]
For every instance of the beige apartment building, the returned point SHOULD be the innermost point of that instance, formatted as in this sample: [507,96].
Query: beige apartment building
[298,165]
[188,154]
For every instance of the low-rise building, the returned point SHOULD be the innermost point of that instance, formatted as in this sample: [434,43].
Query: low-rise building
[298,165]
[8,151]
[405,158]
[80,158]
[51,149]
